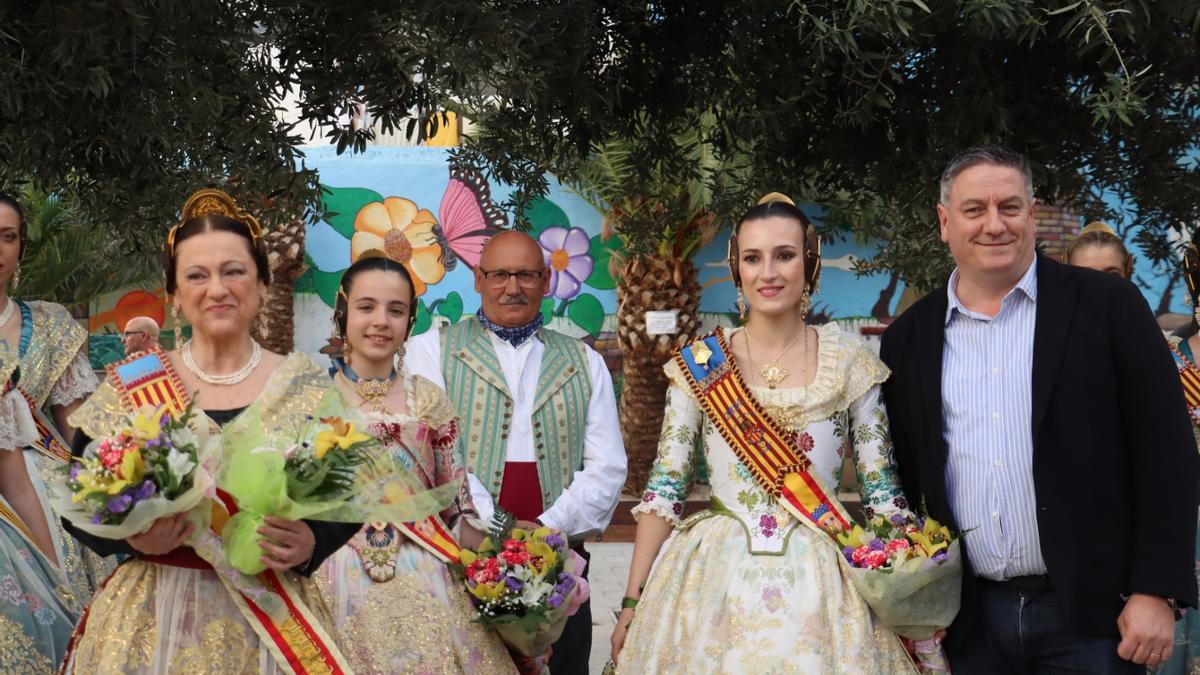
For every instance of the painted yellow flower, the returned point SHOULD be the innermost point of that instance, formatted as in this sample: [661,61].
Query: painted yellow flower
[340,434]
[405,233]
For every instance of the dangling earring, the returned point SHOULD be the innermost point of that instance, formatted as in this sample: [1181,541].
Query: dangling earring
[805,304]
[178,331]
[16,281]
[398,361]
[741,305]
[346,349]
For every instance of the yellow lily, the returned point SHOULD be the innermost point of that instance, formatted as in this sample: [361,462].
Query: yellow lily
[932,538]
[543,550]
[466,556]
[148,427]
[341,434]
[855,537]
[488,592]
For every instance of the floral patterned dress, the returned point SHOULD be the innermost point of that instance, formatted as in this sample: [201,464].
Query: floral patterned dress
[743,586]
[395,605]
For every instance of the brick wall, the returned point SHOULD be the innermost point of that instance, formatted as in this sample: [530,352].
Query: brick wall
[1057,226]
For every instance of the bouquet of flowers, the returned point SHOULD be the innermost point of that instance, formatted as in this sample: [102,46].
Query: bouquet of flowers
[908,569]
[524,585]
[330,471]
[156,466]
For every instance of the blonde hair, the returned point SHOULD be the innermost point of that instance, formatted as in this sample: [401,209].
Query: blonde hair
[1099,234]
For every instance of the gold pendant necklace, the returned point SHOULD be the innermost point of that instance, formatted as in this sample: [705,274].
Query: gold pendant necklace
[771,372]
[373,393]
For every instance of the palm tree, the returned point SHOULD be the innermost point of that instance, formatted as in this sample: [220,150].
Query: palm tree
[663,214]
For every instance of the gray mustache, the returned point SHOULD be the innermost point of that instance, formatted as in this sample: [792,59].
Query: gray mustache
[514,300]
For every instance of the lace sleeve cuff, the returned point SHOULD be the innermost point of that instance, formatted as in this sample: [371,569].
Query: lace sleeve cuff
[667,510]
[77,381]
[17,428]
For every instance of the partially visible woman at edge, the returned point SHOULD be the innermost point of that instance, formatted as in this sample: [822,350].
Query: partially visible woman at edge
[1185,346]
[744,586]
[165,609]
[1098,247]
[37,606]
[395,604]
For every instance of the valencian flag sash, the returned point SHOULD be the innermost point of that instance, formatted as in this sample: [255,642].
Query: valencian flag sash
[756,438]
[1189,376]
[49,442]
[296,640]
[433,536]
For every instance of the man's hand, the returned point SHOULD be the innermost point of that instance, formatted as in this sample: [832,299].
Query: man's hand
[288,543]
[1147,626]
[527,525]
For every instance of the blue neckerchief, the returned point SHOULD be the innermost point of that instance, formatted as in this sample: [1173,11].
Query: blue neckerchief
[353,376]
[513,336]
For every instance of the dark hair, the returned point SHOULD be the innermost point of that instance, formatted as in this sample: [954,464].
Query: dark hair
[373,263]
[781,209]
[22,226]
[215,222]
[984,154]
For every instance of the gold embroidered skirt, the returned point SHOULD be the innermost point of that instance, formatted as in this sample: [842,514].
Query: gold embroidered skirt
[152,618]
[710,606]
[419,621]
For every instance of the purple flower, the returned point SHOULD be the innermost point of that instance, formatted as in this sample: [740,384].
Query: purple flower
[940,557]
[147,490]
[556,542]
[75,471]
[96,518]
[513,583]
[567,257]
[554,600]
[849,553]
[876,545]
[120,503]
[898,519]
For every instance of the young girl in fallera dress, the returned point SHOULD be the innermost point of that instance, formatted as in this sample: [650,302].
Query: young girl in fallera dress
[393,600]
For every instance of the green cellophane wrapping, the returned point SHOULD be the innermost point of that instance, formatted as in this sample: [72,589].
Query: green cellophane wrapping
[916,599]
[254,475]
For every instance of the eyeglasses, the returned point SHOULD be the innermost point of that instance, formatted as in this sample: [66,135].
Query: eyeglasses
[525,278]
[130,333]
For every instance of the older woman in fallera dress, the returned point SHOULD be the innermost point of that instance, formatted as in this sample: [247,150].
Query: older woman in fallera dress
[743,586]
[394,602]
[43,576]
[166,610]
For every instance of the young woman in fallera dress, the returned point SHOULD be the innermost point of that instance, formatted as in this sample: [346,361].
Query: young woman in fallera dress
[743,586]
[393,600]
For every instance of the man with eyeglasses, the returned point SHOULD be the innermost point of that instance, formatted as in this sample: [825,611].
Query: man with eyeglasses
[141,334]
[536,410]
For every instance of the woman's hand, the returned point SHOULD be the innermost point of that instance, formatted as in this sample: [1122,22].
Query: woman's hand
[165,535]
[618,636]
[289,543]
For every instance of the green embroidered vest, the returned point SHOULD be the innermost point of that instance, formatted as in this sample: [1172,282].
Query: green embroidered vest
[475,385]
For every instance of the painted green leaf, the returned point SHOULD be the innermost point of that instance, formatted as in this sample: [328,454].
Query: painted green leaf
[451,307]
[543,213]
[586,312]
[601,251]
[341,206]
[424,319]
[326,284]
[547,309]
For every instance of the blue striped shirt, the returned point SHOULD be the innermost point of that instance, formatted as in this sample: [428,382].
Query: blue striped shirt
[987,408]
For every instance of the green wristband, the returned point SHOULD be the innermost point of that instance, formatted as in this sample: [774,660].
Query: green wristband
[628,602]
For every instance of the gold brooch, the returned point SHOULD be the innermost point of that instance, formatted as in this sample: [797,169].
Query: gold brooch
[701,353]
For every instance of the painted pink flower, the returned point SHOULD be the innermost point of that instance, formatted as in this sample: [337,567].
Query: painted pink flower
[566,252]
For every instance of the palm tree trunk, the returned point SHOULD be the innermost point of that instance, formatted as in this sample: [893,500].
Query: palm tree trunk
[650,283]
[285,254]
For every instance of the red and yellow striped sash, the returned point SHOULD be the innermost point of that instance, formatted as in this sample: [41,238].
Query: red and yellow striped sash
[755,437]
[1189,377]
[431,535]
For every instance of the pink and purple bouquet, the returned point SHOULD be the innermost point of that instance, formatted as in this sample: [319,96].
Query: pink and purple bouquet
[525,587]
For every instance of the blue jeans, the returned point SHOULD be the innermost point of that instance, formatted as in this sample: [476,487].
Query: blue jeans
[1026,632]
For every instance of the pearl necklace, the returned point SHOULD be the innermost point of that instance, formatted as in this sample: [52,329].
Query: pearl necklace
[230,378]
[8,312]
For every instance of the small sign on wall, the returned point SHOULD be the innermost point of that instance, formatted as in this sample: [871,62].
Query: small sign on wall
[662,322]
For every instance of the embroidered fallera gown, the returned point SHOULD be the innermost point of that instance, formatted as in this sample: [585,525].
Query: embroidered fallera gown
[396,605]
[743,586]
[1185,656]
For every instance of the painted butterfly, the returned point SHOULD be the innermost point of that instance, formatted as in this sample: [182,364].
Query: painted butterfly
[467,218]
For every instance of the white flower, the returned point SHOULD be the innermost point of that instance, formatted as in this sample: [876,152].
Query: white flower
[182,438]
[535,592]
[179,464]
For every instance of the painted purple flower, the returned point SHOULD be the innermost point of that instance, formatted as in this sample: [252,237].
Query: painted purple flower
[567,257]
[767,524]
[120,503]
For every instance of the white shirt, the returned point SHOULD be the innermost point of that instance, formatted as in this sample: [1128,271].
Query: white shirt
[586,506]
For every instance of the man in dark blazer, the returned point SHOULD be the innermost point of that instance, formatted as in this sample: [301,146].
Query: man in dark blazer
[1035,408]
